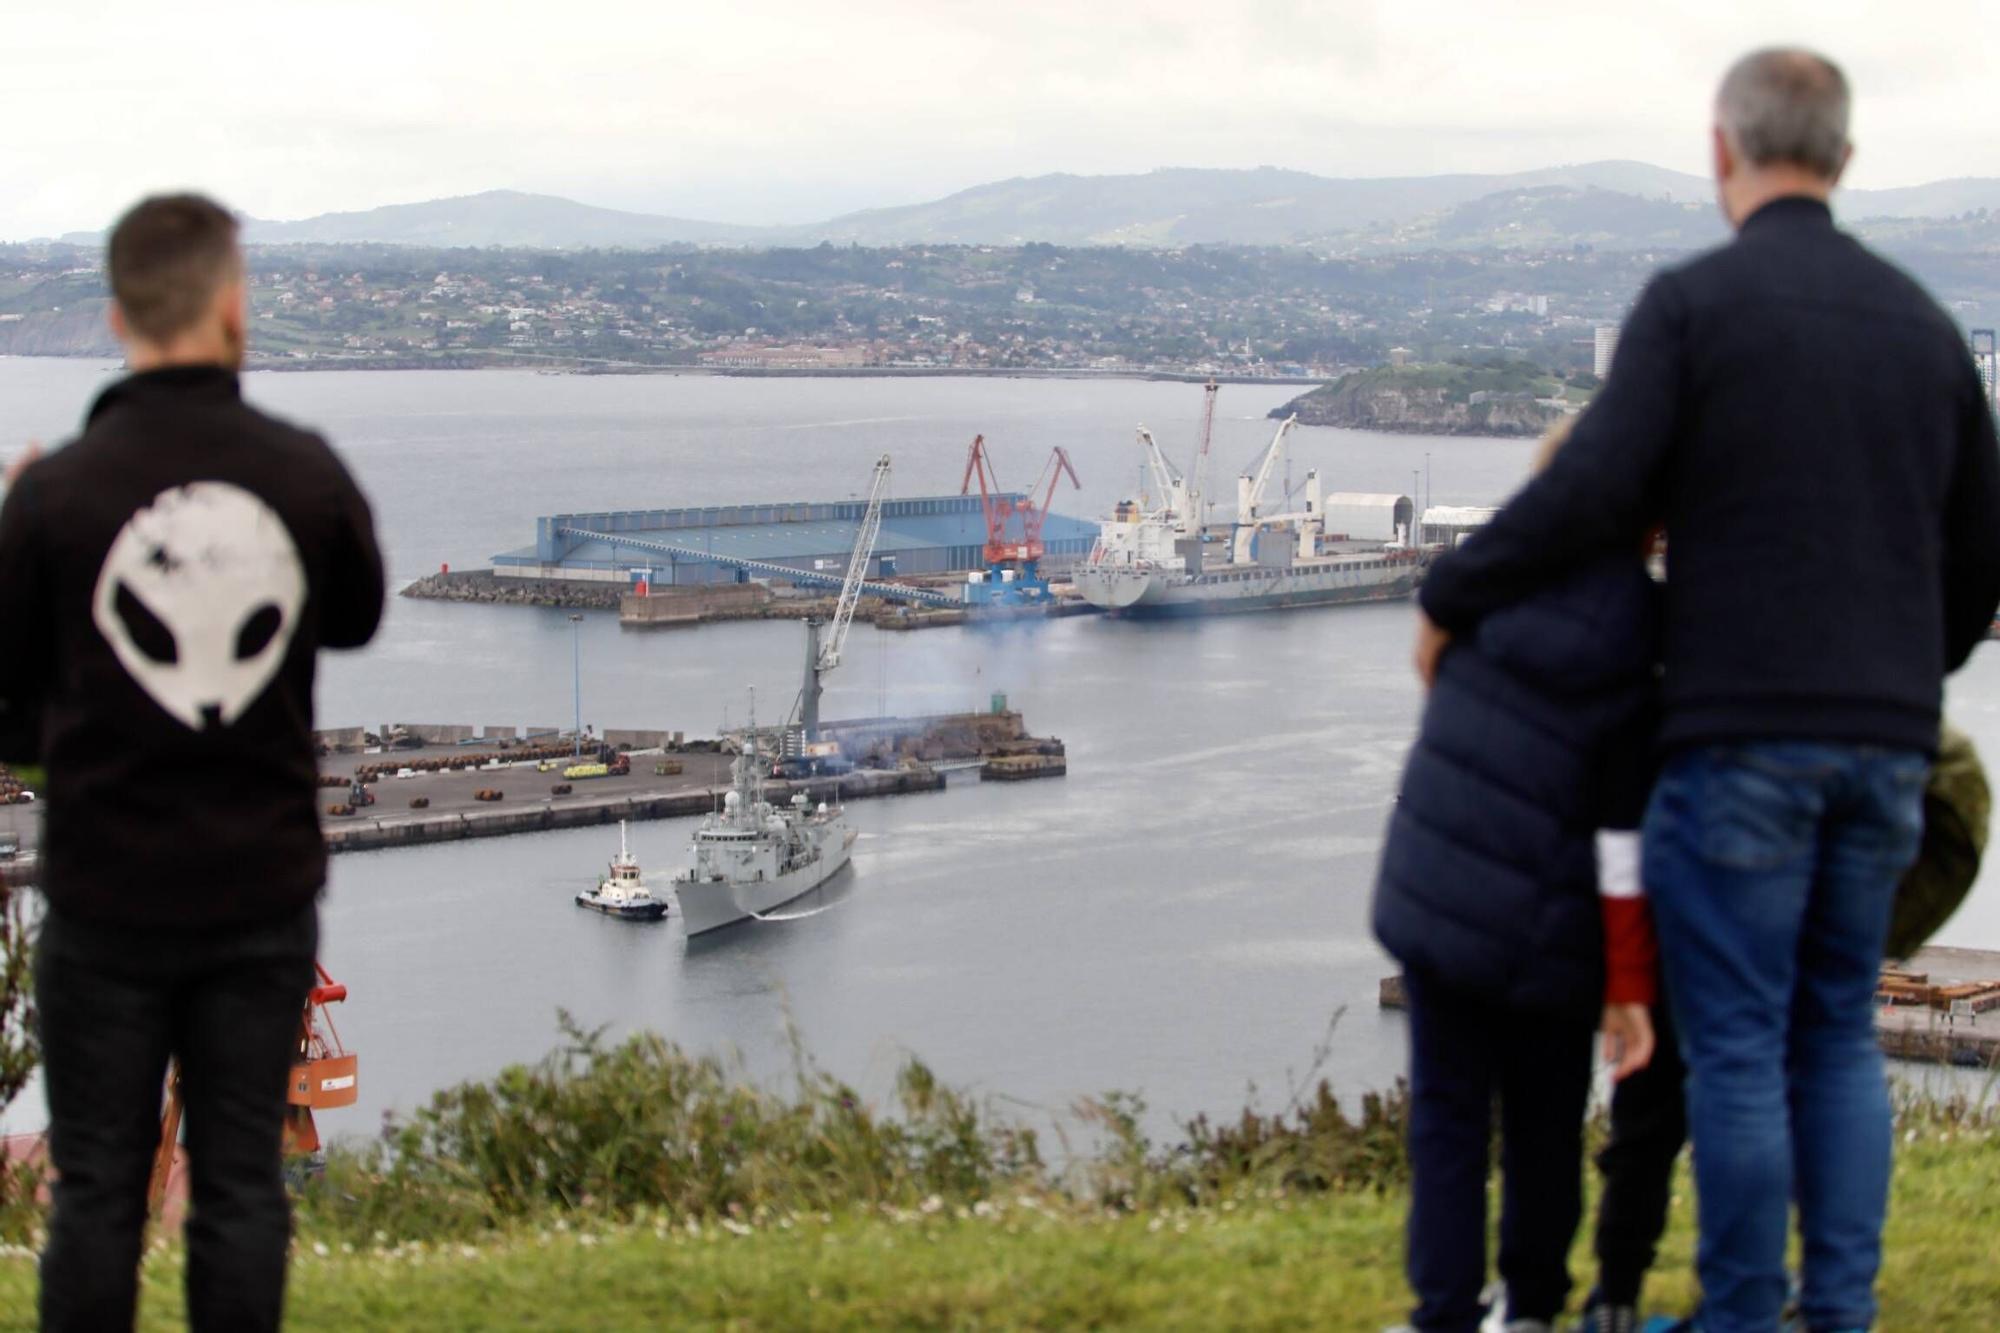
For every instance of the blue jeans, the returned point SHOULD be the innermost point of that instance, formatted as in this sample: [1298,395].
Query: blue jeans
[1771,867]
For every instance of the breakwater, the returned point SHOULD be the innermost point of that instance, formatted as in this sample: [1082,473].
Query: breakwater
[542,814]
[664,609]
[480,585]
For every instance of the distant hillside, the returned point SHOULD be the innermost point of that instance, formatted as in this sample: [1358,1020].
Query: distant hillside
[1184,206]
[1515,398]
[74,330]
[500,218]
[1612,205]
[1552,217]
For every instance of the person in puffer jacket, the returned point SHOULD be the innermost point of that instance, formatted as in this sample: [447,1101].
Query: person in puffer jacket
[1537,739]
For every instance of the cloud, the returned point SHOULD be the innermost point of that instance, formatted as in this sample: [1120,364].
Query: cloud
[781,110]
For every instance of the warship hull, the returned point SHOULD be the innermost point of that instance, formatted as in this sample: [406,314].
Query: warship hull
[712,903]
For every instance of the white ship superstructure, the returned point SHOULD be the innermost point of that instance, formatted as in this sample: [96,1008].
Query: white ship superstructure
[1311,548]
[622,891]
[751,858]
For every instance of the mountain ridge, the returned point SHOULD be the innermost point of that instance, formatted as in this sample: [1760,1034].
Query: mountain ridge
[1168,207]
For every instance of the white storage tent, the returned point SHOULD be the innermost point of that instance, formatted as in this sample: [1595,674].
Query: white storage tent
[1363,517]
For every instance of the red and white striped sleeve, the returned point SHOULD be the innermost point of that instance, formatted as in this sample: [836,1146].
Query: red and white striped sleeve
[1631,953]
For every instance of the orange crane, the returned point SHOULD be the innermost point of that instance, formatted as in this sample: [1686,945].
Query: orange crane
[323,1079]
[1014,525]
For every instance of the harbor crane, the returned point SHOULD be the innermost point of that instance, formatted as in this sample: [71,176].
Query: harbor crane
[1199,472]
[1172,485]
[823,649]
[1180,493]
[1251,488]
[1014,523]
[323,1077]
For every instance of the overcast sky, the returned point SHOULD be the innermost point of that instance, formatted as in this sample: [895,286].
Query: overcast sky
[772,111]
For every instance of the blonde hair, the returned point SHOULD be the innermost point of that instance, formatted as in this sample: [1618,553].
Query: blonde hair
[1556,437]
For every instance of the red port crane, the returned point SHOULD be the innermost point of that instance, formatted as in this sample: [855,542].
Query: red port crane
[1009,542]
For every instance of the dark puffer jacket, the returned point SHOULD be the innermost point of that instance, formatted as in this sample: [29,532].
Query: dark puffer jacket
[1539,732]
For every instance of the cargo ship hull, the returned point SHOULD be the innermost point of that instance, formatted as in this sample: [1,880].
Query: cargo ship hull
[1154,594]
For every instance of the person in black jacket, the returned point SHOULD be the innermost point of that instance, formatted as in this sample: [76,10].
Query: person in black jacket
[166,582]
[1811,430]
[1536,744]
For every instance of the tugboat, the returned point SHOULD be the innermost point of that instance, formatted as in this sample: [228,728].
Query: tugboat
[622,893]
[751,858]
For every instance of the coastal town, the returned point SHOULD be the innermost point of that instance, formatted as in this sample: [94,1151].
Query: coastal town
[1237,311]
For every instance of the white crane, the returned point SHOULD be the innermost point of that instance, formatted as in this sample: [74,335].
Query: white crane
[823,654]
[1250,490]
[1198,473]
[1167,477]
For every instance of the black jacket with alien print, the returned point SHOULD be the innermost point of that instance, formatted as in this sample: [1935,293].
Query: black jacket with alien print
[166,582]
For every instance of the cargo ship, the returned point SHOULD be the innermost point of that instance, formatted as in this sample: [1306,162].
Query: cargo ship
[1309,549]
[751,858]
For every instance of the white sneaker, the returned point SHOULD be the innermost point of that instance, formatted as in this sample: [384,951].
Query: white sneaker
[1496,1320]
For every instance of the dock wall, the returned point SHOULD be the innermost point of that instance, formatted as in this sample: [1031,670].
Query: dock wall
[1920,1036]
[540,814]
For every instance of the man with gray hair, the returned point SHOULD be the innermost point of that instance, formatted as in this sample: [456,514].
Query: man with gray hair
[1811,430]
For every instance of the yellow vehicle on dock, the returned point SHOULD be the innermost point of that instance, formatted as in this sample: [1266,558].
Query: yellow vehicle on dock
[586,770]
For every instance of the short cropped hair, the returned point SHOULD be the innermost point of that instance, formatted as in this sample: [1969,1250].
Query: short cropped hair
[167,257]
[1786,105]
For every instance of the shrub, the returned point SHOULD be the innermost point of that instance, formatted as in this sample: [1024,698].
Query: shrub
[643,1125]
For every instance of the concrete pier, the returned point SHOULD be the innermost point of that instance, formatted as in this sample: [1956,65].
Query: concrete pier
[539,813]
[1969,1038]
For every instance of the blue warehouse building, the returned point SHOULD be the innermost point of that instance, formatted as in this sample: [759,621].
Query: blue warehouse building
[932,535]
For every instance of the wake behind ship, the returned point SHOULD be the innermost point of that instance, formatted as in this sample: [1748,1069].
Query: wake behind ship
[1310,549]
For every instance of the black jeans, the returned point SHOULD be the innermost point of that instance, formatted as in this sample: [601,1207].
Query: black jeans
[1465,1052]
[115,1003]
[1648,1130]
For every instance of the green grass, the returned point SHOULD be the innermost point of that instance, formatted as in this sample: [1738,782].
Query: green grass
[1267,1260]
[634,1185]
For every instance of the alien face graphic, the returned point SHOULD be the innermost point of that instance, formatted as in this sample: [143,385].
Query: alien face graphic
[199,597]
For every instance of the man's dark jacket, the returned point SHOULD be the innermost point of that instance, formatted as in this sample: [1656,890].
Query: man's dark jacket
[166,581]
[1538,733]
[1811,429]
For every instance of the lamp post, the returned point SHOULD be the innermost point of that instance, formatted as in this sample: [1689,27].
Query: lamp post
[576,677]
[1416,518]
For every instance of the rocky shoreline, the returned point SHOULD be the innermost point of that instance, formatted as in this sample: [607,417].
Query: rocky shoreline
[1431,400]
[481,585]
